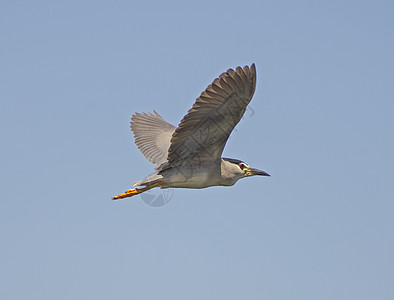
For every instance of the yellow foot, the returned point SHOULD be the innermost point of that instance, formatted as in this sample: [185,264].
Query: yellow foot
[132,192]
[128,193]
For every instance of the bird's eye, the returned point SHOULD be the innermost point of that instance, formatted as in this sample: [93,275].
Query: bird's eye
[242,166]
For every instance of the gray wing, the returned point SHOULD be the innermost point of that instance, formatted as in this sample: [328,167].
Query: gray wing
[152,136]
[204,130]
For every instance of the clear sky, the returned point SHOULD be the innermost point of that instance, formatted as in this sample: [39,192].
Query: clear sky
[321,123]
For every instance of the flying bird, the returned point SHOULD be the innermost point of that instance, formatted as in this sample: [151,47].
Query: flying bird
[189,156]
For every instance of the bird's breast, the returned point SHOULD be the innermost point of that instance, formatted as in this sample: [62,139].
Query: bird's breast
[180,178]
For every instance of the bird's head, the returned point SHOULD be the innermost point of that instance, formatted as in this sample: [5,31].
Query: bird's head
[235,168]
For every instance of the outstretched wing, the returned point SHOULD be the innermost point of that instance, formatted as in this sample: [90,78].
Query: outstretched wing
[152,136]
[204,130]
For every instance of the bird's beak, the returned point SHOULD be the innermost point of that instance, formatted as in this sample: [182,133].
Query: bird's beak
[254,171]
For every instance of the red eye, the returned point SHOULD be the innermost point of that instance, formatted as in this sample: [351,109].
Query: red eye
[242,166]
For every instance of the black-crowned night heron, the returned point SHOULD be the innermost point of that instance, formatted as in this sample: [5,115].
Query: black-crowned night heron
[189,156]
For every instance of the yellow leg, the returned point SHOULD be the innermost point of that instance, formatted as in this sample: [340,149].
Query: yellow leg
[132,192]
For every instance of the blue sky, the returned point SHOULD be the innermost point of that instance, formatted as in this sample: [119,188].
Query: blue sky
[322,125]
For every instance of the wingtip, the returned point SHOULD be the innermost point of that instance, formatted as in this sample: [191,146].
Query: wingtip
[253,68]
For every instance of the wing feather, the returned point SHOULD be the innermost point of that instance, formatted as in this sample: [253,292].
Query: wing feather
[204,130]
[152,136]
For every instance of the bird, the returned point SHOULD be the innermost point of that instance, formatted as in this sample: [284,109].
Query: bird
[189,156]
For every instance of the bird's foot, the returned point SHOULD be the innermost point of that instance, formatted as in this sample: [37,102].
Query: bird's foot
[128,193]
[132,192]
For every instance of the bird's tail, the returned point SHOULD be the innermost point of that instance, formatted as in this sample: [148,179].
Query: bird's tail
[151,179]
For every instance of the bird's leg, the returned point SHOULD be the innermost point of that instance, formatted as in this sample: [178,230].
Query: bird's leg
[132,192]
